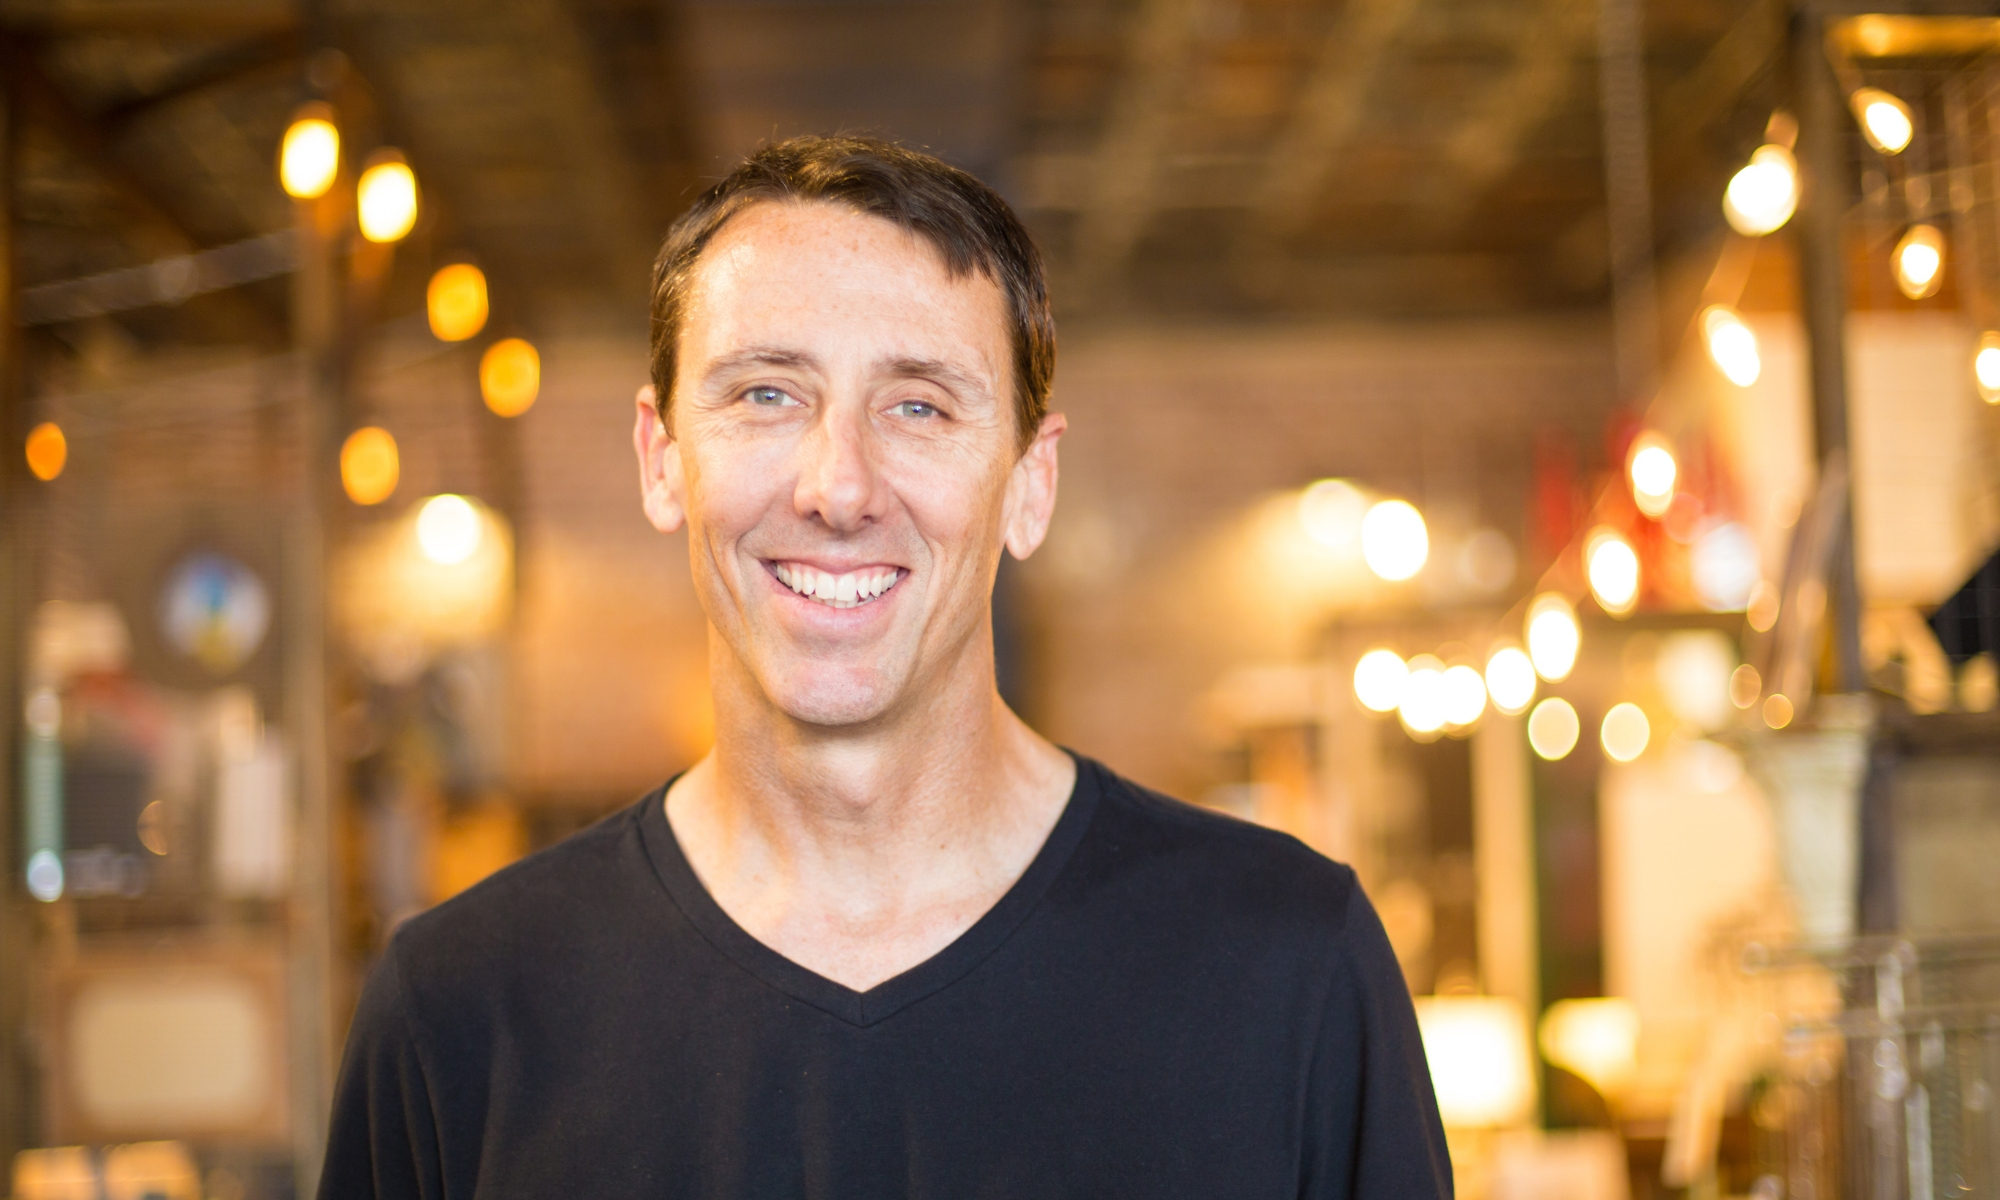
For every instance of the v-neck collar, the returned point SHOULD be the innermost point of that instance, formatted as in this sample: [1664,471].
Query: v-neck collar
[892,995]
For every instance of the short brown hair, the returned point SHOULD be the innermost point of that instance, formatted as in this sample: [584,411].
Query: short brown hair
[968,224]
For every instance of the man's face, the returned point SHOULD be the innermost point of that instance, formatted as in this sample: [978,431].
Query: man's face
[843,456]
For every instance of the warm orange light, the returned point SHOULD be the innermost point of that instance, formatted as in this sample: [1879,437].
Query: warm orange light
[1920,262]
[510,376]
[386,198]
[48,451]
[369,466]
[1778,710]
[309,157]
[456,301]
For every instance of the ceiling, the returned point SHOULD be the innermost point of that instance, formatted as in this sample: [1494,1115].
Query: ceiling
[1239,160]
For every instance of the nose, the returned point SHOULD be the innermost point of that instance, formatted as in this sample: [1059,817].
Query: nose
[839,479]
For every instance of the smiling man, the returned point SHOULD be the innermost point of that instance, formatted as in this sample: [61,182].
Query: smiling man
[884,940]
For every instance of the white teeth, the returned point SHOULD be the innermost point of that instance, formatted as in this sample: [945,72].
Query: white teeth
[836,591]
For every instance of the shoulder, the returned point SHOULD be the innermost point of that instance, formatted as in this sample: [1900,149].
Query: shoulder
[1203,865]
[536,914]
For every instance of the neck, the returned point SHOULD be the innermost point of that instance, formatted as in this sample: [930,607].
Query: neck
[951,793]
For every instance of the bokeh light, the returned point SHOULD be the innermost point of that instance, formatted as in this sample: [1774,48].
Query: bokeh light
[309,156]
[1731,345]
[1553,635]
[1613,568]
[1778,710]
[369,465]
[1510,680]
[1330,511]
[1724,567]
[1553,728]
[1378,680]
[448,529]
[1986,367]
[1464,695]
[510,376]
[1885,119]
[1652,471]
[1920,262]
[1745,685]
[1422,706]
[47,450]
[1625,732]
[456,302]
[1394,541]
[386,198]
[1763,195]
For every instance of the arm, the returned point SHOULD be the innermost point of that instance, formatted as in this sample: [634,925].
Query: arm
[1372,1128]
[382,1144]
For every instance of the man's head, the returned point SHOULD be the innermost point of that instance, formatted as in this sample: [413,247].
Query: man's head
[967,223]
[847,448]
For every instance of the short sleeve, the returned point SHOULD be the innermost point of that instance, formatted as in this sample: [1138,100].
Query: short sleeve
[382,1141]
[1372,1127]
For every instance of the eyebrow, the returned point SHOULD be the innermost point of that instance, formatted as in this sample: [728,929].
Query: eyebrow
[760,356]
[953,378]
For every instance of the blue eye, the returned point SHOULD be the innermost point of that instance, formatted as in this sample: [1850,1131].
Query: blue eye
[917,408]
[767,397]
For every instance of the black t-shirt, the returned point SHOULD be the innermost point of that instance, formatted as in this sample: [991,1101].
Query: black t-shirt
[1168,1003]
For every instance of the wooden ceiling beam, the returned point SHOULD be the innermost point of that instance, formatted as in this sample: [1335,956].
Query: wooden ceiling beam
[1121,201]
[1481,149]
[193,18]
[263,54]
[1330,108]
[155,230]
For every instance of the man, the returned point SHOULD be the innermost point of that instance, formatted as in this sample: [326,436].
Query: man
[884,940]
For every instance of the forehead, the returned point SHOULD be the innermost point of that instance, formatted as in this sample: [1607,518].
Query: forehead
[823,273]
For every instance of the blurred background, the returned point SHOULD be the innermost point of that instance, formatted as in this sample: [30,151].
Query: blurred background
[1543,452]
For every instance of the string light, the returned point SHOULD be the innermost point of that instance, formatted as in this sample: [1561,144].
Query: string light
[1986,367]
[510,376]
[48,451]
[1613,568]
[456,302]
[1920,262]
[1763,195]
[309,156]
[386,198]
[1464,695]
[1885,119]
[448,529]
[1553,636]
[1652,471]
[1731,345]
[1379,679]
[1394,541]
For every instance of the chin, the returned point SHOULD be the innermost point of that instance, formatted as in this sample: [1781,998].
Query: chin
[831,696]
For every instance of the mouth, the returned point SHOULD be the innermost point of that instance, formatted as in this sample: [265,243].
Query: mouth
[850,590]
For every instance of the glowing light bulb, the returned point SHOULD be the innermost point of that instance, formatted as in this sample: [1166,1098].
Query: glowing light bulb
[309,156]
[1330,511]
[1613,568]
[369,465]
[1379,679]
[1763,195]
[448,529]
[1778,710]
[1920,262]
[48,451]
[1422,706]
[1885,119]
[1652,471]
[1464,695]
[386,198]
[1731,345]
[1986,367]
[1724,567]
[1745,685]
[1553,728]
[1510,680]
[1625,732]
[1553,635]
[456,302]
[1394,541]
[510,376]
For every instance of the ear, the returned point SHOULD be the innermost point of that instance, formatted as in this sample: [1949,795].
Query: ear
[661,490]
[1031,489]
